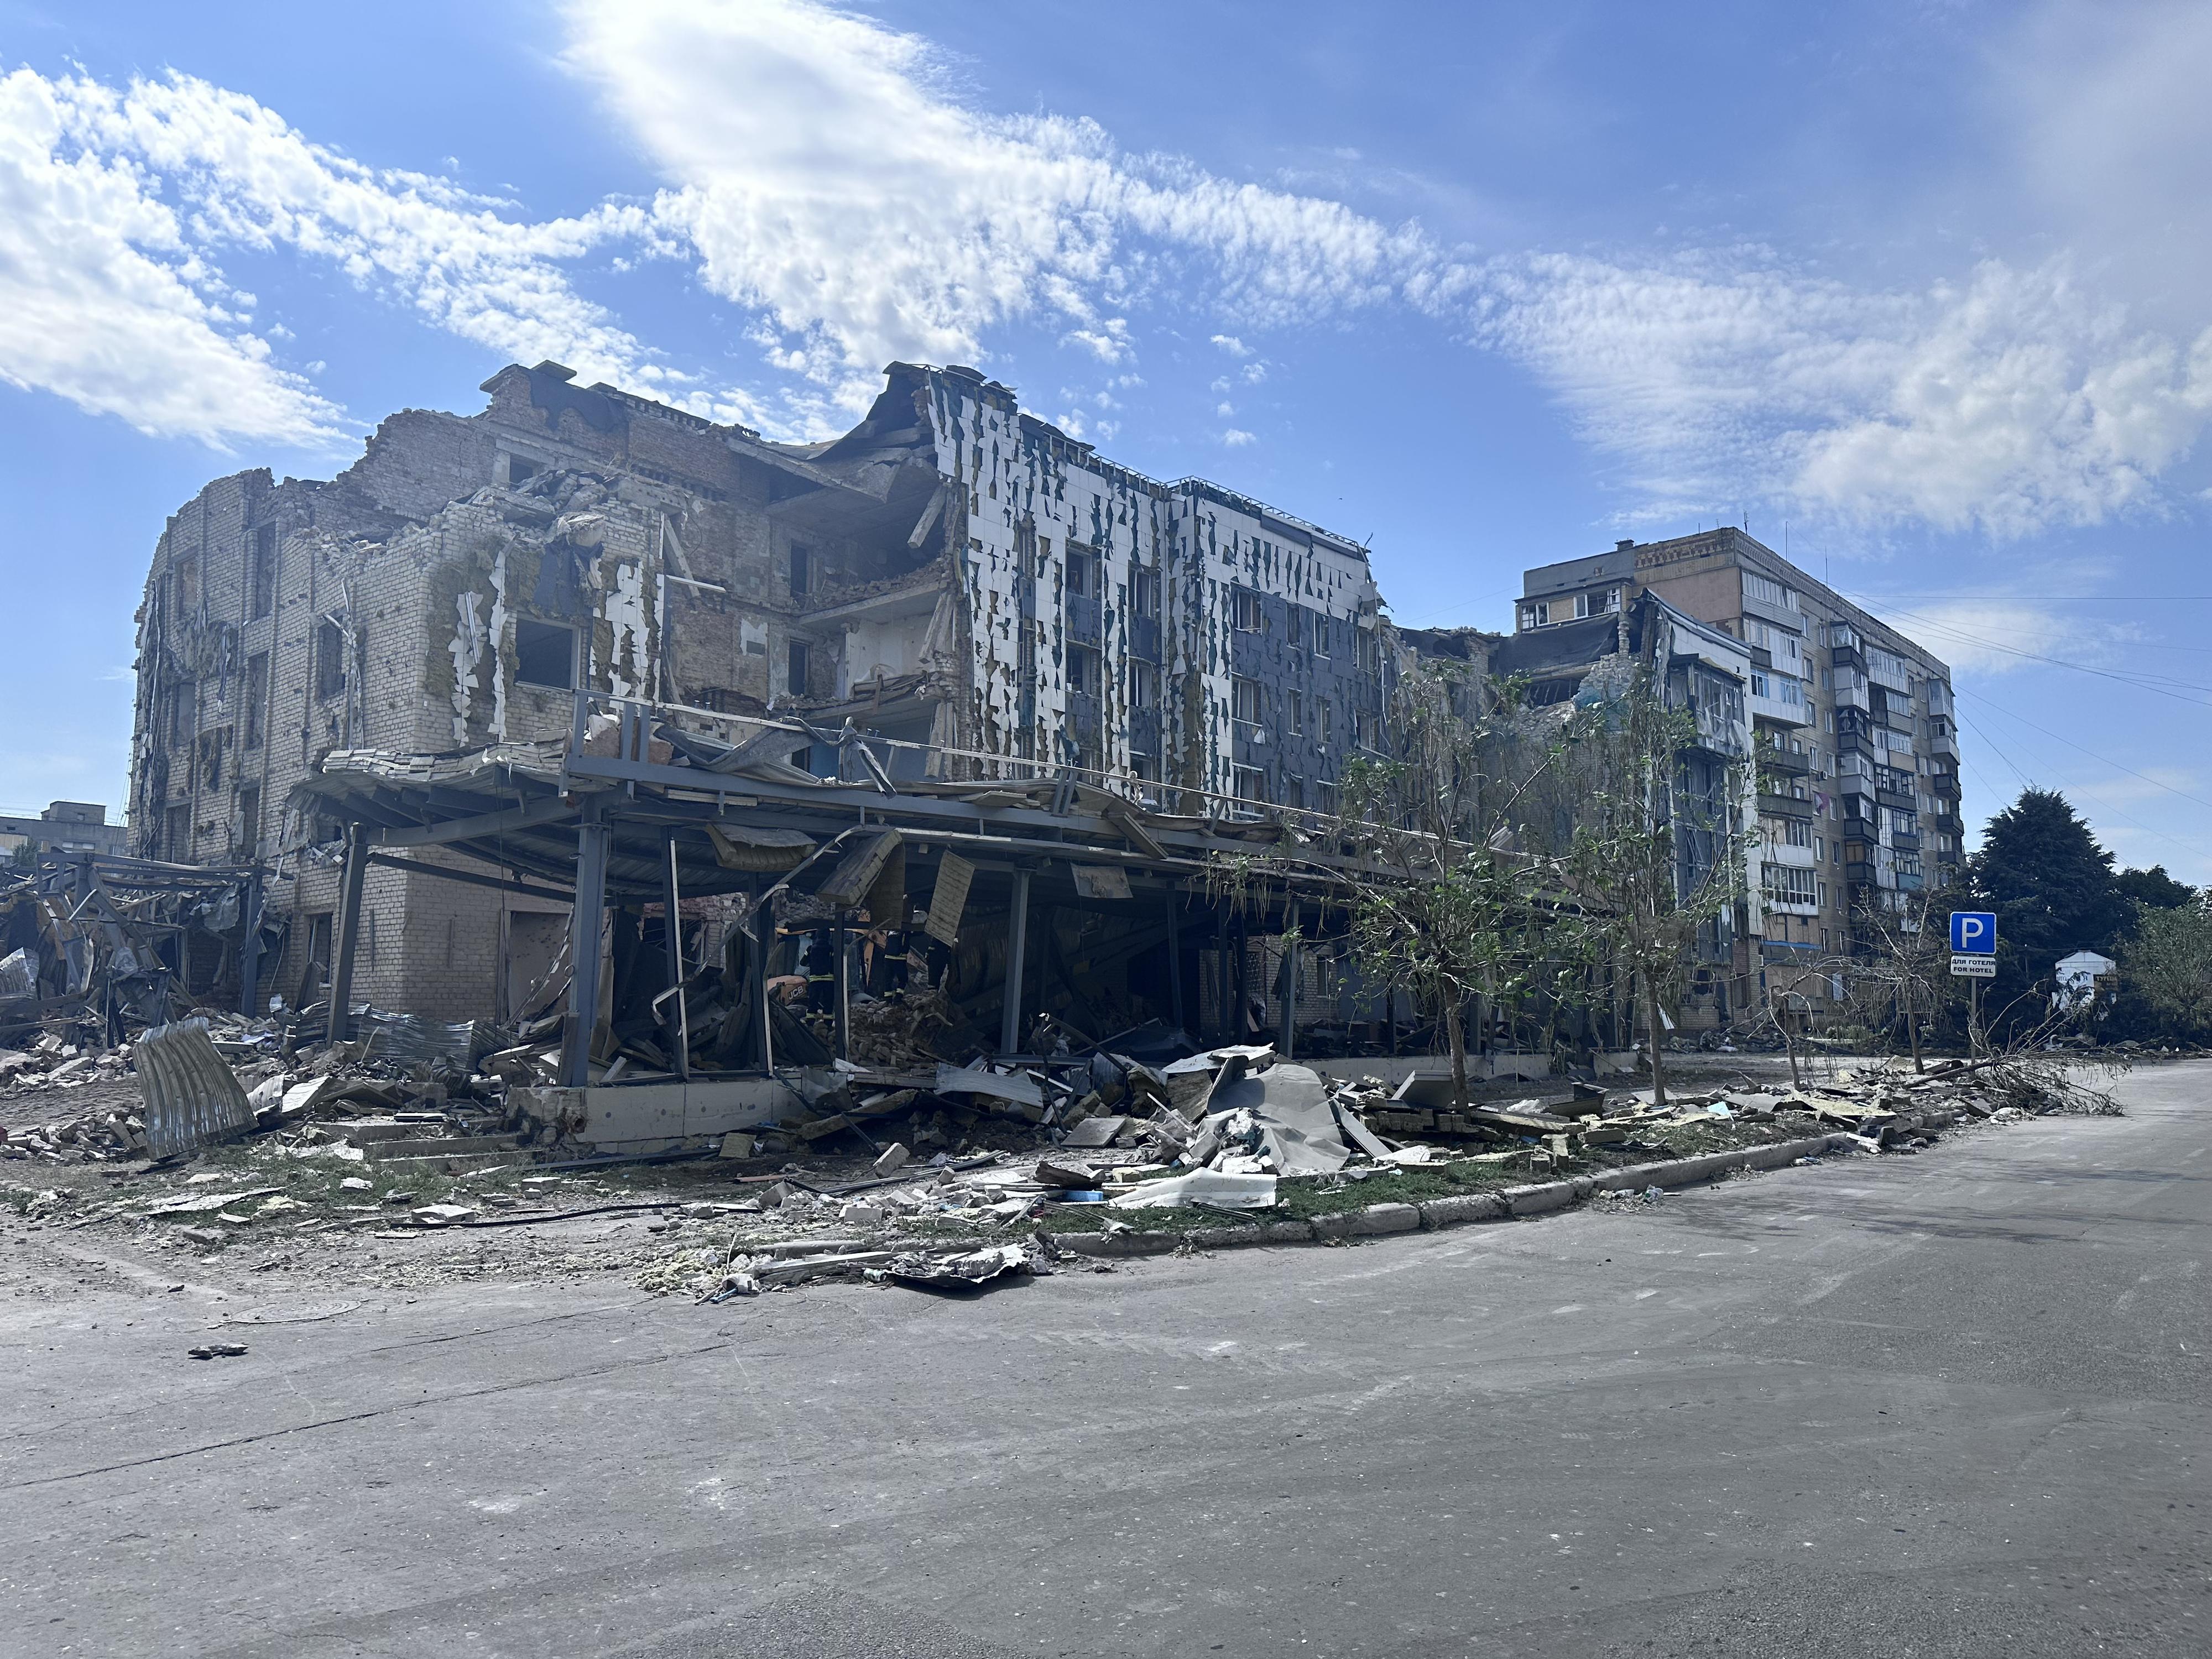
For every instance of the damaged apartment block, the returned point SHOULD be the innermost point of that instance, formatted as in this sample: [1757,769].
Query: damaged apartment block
[954,577]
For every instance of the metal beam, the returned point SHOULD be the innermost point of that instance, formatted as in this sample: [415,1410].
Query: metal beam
[844,937]
[552,809]
[249,949]
[585,922]
[348,932]
[470,877]
[1010,1019]
[763,942]
[671,901]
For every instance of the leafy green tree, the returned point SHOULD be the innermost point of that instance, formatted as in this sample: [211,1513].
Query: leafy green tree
[2054,891]
[2168,963]
[1650,865]
[2132,1013]
[1451,916]
[2153,888]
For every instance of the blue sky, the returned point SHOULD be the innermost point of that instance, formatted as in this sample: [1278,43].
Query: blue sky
[1914,287]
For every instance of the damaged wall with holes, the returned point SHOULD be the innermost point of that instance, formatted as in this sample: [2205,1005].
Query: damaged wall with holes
[951,572]
[1174,632]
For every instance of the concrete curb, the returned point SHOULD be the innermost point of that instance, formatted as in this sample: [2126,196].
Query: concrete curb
[1506,1203]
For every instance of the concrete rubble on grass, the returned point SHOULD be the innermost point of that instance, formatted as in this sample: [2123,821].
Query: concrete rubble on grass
[942,1177]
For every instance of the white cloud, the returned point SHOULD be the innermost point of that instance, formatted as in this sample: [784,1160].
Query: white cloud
[825,176]
[823,172]
[116,204]
[103,302]
[2012,402]
[247,179]
[1996,635]
[1235,439]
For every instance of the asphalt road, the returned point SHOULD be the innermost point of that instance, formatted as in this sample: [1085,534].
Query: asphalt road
[1951,1404]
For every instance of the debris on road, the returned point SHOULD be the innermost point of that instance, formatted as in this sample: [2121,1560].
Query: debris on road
[959,1270]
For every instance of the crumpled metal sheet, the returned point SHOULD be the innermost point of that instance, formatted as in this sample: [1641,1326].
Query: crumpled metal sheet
[192,1097]
[19,974]
[964,1270]
[410,1039]
[1281,1117]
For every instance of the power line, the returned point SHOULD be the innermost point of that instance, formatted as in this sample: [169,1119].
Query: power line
[2140,683]
[2091,753]
[2193,851]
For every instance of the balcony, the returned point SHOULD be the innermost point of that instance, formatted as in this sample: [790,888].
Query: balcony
[1785,806]
[1773,759]
[1903,840]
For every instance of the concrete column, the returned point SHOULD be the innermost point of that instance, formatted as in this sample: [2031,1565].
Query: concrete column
[1286,1025]
[679,1022]
[348,939]
[587,920]
[1010,1023]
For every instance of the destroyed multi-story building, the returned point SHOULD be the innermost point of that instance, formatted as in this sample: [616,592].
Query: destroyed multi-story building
[953,575]
[1853,767]
[1701,670]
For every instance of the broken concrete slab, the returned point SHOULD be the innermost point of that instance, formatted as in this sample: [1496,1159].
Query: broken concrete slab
[1214,1186]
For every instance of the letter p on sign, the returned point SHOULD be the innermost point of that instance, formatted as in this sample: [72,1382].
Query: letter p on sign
[1974,932]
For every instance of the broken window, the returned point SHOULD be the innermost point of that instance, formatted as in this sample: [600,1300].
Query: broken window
[1295,628]
[1320,634]
[1245,615]
[188,585]
[256,695]
[177,833]
[801,562]
[518,469]
[264,570]
[249,821]
[545,654]
[1144,767]
[1248,783]
[1297,706]
[1082,670]
[1082,574]
[210,760]
[1244,704]
[795,669]
[1328,723]
[1144,685]
[329,660]
[1294,791]
[1145,593]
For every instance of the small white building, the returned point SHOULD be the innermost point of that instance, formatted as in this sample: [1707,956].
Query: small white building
[2077,980]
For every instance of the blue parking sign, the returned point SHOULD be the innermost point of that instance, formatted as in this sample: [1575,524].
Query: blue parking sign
[1973,932]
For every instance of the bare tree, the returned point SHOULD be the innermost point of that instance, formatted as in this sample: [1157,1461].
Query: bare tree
[1899,972]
